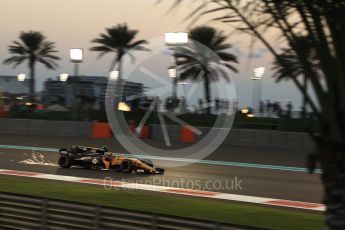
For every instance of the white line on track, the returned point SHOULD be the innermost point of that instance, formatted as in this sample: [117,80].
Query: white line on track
[163,189]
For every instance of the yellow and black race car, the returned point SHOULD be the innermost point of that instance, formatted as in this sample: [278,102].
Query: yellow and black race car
[102,159]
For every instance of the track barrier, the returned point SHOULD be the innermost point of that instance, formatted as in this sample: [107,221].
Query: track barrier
[131,126]
[237,137]
[3,112]
[145,132]
[187,135]
[101,130]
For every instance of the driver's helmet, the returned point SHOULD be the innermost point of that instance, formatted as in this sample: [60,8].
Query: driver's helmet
[108,156]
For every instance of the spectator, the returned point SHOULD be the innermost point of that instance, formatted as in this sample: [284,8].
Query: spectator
[303,112]
[269,108]
[261,107]
[183,105]
[157,102]
[289,108]
[216,105]
[195,109]
[226,105]
[168,104]
[278,109]
[96,106]
[235,105]
[201,106]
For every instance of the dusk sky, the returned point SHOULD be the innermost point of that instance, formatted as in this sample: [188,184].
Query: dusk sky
[75,23]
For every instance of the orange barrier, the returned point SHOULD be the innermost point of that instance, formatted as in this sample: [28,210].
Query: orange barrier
[3,112]
[131,127]
[186,135]
[145,132]
[101,130]
[39,107]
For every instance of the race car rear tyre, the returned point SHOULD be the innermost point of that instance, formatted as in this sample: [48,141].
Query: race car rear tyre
[64,162]
[127,166]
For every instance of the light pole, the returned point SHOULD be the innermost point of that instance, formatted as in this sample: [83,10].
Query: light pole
[174,40]
[183,103]
[63,79]
[21,78]
[115,77]
[76,56]
[257,86]
[172,75]
[184,84]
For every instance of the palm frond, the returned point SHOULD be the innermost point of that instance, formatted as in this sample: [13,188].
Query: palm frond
[227,57]
[191,60]
[229,66]
[117,39]
[190,72]
[17,49]
[137,43]
[50,64]
[15,60]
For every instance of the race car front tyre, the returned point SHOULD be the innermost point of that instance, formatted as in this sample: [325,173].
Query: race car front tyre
[127,166]
[159,171]
[64,162]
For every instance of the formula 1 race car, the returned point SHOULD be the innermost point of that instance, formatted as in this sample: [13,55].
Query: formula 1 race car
[102,159]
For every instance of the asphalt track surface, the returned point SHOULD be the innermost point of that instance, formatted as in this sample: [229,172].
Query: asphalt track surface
[253,181]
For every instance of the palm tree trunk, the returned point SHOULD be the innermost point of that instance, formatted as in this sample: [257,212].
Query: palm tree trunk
[333,177]
[32,79]
[119,68]
[304,102]
[113,63]
[118,86]
[207,92]
[174,89]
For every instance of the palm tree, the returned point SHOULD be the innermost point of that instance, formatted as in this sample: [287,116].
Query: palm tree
[32,47]
[287,65]
[117,40]
[191,62]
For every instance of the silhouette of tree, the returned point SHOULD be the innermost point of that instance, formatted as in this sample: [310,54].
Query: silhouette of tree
[191,62]
[287,66]
[323,22]
[32,47]
[117,40]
